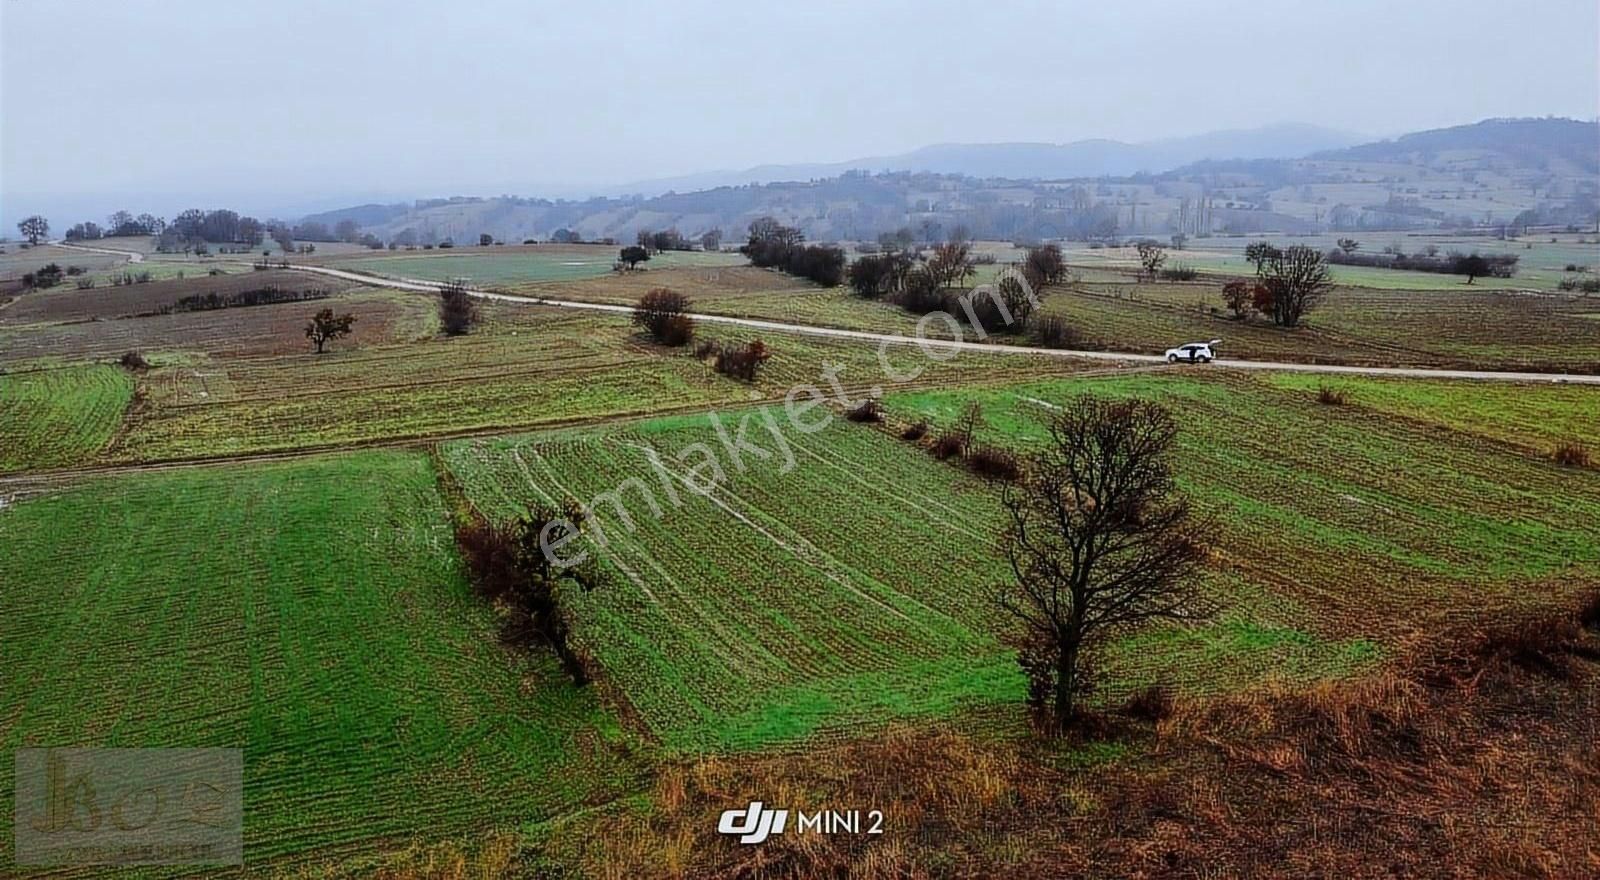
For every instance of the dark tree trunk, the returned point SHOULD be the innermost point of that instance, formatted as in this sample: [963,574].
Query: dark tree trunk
[1066,683]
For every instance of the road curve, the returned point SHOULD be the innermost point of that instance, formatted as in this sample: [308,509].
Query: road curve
[133,256]
[936,345]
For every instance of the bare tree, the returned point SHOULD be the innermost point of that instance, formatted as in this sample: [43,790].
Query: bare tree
[1047,263]
[324,326]
[1296,278]
[1098,540]
[1151,256]
[952,263]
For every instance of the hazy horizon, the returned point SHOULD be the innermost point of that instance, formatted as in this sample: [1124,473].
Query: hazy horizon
[295,106]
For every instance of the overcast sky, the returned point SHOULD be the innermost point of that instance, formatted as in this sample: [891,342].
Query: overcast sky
[272,106]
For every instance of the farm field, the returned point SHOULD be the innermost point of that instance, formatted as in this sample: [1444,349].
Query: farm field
[517,264]
[50,418]
[1484,329]
[351,664]
[1541,264]
[66,304]
[17,261]
[257,331]
[848,590]
[1535,419]
[1314,499]
[242,380]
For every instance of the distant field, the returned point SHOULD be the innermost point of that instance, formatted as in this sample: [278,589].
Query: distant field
[381,316]
[1541,263]
[52,418]
[311,613]
[17,261]
[67,304]
[1484,328]
[523,264]
[849,591]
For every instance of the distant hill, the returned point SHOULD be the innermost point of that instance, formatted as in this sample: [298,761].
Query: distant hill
[1022,161]
[1543,144]
[1521,171]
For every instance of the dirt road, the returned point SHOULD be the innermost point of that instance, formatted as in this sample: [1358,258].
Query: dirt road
[936,345]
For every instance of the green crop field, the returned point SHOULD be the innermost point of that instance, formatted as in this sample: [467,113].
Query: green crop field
[313,614]
[1372,520]
[1541,263]
[519,265]
[50,418]
[849,589]
[1533,418]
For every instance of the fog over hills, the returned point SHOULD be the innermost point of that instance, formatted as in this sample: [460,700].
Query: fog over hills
[1095,157]
[1535,171]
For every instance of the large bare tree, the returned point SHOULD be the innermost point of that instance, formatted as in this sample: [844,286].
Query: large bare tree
[1297,277]
[1099,541]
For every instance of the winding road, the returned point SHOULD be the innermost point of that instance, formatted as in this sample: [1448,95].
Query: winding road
[937,345]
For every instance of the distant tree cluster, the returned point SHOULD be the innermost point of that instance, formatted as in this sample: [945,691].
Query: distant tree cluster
[632,255]
[46,276]
[773,245]
[1472,265]
[261,296]
[666,240]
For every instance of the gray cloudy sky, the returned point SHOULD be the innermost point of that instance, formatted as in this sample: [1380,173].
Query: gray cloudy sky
[286,105]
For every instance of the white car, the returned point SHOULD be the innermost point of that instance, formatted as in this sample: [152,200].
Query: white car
[1194,352]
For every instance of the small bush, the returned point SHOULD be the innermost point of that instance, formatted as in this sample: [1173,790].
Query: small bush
[1587,285]
[74,270]
[215,272]
[1330,396]
[868,410]
[656,309]
[705,348]
[1572,454]
[741,361]
[133,361]
[1153,703]
[915,431]
[85,283]
[1054,332]
[1179,272]
[949,446]
[678,331]
[994,463]
[457,311]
